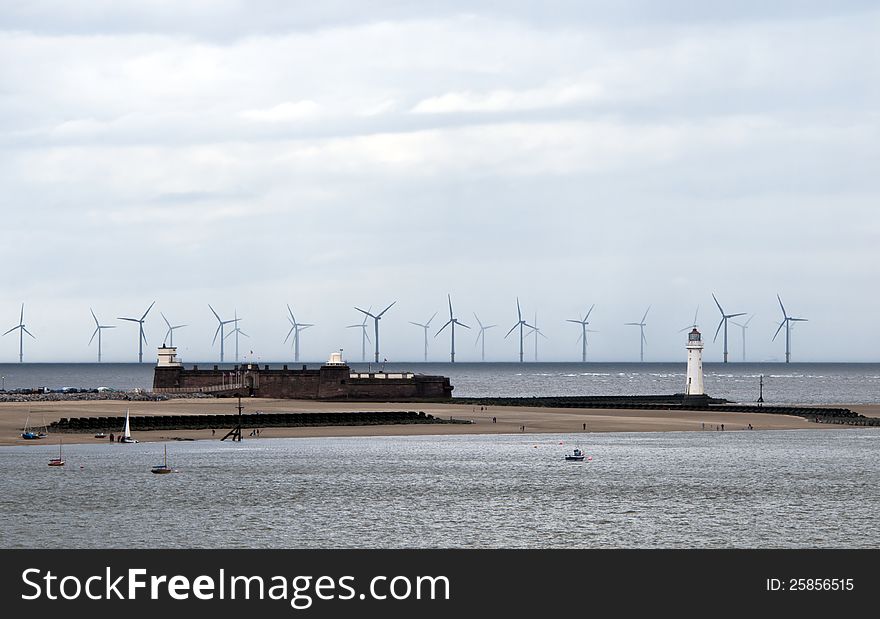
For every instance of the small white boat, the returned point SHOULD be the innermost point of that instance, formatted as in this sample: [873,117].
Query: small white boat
[576,456]
[126,431]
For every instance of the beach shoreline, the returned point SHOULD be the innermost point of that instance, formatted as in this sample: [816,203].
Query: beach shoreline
[507,419]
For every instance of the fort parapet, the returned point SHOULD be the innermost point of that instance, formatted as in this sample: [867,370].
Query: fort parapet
[334,380]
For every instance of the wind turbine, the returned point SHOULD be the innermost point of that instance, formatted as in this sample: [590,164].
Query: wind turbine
[364,337]
[376,318]
[694,325]
[482,335]
[423,326]
[236,331]
[583,322]
[786,322]
[169,335]
[537,332]
[519,323]
[641,325]
[744,327]
[723,323]
[221,330]
[142,339]
[98,328]
[452,321]
[295,328]
[22,330]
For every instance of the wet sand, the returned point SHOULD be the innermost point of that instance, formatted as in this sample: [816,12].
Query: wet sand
[509,419]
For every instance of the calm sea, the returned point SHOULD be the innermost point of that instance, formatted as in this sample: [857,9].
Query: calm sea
[766,489]
[795,383]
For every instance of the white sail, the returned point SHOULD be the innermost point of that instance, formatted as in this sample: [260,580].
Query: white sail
[126,431]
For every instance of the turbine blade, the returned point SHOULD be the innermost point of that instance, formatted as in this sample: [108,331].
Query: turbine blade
[430,319]
[291,331]
[385,310]
[646,313]
[784,314]
[518,310]
[148,310]
[749,320]
[735,315]
[166,320]
[243,333]
[216,333]
[215,313]
[443,327]
[720,324]
[449,298]
[129,319]
[718,304]
[364,312]
[511,329]
[781,324]
[93,316]
[93,335]
[461,324]
[590,311]
[11,330]
[478,320]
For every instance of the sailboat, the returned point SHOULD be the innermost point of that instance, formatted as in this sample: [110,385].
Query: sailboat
[161,469]
[126,431]
[28,432]
[59,461]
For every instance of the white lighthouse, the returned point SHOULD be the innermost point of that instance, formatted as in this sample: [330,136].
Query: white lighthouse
[695,364]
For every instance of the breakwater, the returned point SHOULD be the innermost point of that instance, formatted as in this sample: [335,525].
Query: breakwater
[680,402]
[247,420]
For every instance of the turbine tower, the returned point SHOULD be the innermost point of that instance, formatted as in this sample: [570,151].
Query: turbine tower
[723,323]
[169,334]
[536,331]
[642,341]
[295,328]
[519,323]
[21,331]
[482,335]
[364,337]
[744,327]
[452,321]
[423,326]
[142,339]
[376,318]
[98,328]
[221,330]
[583,322]
[786,322]
[236,331]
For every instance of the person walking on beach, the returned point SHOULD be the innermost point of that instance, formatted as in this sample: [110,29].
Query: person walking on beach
[585,427]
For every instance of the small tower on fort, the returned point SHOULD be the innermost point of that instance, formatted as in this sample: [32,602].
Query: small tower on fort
[695,364]
[168,357]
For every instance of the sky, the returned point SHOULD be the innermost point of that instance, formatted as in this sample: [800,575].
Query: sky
[251,155]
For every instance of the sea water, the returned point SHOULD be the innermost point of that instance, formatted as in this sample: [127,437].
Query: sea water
[795,383]
[759,489]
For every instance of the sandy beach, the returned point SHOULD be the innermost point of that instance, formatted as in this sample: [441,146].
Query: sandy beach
[509,419]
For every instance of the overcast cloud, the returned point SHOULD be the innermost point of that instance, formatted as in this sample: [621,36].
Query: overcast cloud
[327,155]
